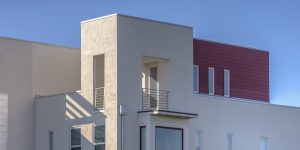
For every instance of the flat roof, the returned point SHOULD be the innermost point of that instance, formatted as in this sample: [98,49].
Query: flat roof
[139,18]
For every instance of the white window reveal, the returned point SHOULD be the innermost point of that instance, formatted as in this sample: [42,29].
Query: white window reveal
[75,138]
[264,143]
[99,137]
[226,82]
[198,140]
[211,81]
[196,78]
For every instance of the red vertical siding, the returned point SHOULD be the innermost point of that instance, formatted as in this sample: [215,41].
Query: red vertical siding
[249,69]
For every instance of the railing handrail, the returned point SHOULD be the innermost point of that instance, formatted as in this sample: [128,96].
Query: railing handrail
[155,90]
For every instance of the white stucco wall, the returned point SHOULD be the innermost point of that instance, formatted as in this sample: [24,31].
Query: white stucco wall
[3,121]
[28,69]
[138,38]
[59,113]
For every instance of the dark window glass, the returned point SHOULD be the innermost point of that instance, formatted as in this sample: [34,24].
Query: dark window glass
[75,137]
[99,134]
[50,140]
[76,148]
[100,147]
[143,138]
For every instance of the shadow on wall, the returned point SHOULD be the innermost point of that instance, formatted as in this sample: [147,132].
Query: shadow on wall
[77,107]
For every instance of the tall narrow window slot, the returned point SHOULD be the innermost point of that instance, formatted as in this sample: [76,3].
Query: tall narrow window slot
[143,138]
[198,141]
[226,82]
[229,141]
[99,137]
[196,79]
[75,139]
[211,81]
[51,140]
[264,143]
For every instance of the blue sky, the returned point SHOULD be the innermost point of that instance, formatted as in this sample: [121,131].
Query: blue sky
[272,25]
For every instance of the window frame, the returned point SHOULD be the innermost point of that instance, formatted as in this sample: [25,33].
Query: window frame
[213,81]
[94,135]
[75,146]
[228,86]
[197,78]
[173,128]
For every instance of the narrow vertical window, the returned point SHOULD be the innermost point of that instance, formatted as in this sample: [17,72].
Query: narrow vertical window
[264,143]
[198,140]
[75,139]
[211,80]
[229,141]
[226,82]
[143,138]
[99,137]
[196,79]
[51,136]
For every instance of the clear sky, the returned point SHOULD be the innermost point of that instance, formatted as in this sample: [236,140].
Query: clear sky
[272,25]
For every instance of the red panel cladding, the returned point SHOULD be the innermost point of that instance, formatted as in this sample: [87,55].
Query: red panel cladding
[249,69]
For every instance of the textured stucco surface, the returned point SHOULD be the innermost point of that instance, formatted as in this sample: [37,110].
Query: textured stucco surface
[100,37]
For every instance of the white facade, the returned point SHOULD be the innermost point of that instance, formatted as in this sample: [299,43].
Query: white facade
[130,58]
[28,69]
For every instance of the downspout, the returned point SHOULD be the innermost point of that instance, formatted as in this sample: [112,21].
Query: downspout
[122,113]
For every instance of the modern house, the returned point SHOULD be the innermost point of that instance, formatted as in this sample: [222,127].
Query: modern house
[139,84]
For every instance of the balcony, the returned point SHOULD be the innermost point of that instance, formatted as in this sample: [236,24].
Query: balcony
[99,98]
[155,99]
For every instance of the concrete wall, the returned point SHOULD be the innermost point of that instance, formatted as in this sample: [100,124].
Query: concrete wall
[29,69]
[71,110]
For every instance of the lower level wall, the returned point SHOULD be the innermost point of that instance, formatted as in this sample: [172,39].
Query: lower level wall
[59,114]
[3,121]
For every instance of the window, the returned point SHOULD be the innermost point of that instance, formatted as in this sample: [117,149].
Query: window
[75,139]
[51,140]
[99,137]
[229,141]
[196,79]
[198,141]
[168,138]
[226,82]
[264,143]
[211,80]
[143,138]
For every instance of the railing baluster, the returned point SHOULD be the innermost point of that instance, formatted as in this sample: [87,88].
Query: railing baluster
[154,99]
[99,98]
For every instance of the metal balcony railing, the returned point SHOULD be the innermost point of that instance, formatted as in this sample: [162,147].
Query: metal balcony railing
[155,99]
[99,98]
